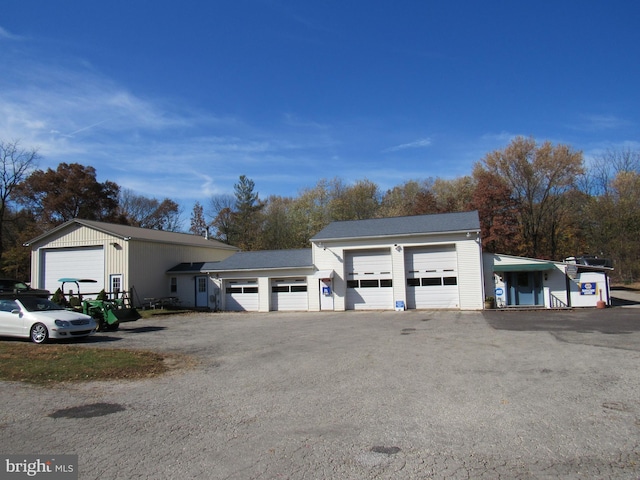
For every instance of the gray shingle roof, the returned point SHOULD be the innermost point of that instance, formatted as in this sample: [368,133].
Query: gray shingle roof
[136,233]
[394,226]
[262,259]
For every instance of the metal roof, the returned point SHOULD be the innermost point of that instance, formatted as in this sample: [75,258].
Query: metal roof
[187,267]
[126,232]
[399,226]
[263,259]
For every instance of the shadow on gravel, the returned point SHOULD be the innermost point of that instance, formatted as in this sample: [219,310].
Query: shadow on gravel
[88,411]
[610,321]
[142,329]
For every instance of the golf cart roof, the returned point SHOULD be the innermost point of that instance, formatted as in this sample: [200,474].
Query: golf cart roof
[77,280]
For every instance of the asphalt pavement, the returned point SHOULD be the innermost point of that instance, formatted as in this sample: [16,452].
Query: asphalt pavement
[356,395]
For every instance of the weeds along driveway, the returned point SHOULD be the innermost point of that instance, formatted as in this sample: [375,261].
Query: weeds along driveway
[345,395]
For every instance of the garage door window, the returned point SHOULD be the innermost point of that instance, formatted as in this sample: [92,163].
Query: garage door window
[450,280]
[298,288]
[369,283]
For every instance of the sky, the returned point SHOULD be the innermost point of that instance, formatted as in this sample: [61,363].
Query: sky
[177,99]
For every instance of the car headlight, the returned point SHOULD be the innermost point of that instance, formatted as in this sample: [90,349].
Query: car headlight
[62,323]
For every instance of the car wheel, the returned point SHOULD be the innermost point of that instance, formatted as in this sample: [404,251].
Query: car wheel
[39,333]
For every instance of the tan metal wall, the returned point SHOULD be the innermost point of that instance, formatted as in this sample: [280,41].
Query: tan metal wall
[142,263]
[148,262]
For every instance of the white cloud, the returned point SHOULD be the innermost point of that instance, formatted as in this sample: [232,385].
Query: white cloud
[420,143]
[6,35]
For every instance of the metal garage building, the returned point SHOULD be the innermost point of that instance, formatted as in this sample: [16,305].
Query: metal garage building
[118,257]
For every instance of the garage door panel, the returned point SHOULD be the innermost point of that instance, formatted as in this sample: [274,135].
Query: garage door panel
[242,296]
[369,280]
[289,295]
[84,262]
[432,280]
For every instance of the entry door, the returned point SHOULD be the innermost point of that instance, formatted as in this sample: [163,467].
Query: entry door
[115,285]
[525,288]
[202,292]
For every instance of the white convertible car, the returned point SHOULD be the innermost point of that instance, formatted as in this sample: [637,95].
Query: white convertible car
[40,319]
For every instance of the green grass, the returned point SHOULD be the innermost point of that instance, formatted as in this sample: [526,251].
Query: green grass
[49,364]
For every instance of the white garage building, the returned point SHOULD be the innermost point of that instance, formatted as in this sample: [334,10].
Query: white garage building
[424,261]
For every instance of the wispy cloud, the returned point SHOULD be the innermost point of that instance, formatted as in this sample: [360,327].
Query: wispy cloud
[599,123]
[421,143]
[6,35]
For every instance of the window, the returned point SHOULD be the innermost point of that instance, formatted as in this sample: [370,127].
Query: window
[234,290]
[450,280]
[174,284]
[115,284]
[368,283]
[352,283]
[413,282]
[431,281]
[280,288]
[202,284]
[8,305]
[298,288]
[386,282]
[250,289]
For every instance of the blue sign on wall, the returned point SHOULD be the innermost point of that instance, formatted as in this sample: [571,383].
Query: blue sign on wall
[499,292]
[588,288]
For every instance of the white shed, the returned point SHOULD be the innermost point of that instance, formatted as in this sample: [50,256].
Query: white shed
[530,282]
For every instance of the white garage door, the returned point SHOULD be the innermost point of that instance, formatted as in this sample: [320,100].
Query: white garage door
[289,294]
[432,277]
[84,262]
[241,295]
[369,280]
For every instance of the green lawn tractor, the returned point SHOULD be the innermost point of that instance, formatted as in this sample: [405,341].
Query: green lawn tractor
[108,313]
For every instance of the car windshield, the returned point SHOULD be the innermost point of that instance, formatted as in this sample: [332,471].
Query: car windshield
[35,304]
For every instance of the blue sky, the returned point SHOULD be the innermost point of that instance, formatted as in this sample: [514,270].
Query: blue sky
[178,99]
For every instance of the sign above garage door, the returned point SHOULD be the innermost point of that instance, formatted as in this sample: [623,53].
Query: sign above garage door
[84,262]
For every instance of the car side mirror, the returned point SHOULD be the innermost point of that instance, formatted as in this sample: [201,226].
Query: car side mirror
[16,311]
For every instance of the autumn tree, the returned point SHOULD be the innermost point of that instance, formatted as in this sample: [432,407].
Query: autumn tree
[70,191]
[198,223]
[220,211]
[145,212]
[281,227]
[539,176]
[497,210]
[354,202]
[401,200]
[15,165]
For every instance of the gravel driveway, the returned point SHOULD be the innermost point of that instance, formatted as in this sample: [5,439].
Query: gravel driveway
[418,394]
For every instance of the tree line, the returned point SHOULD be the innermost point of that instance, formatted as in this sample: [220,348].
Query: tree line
[534,199]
